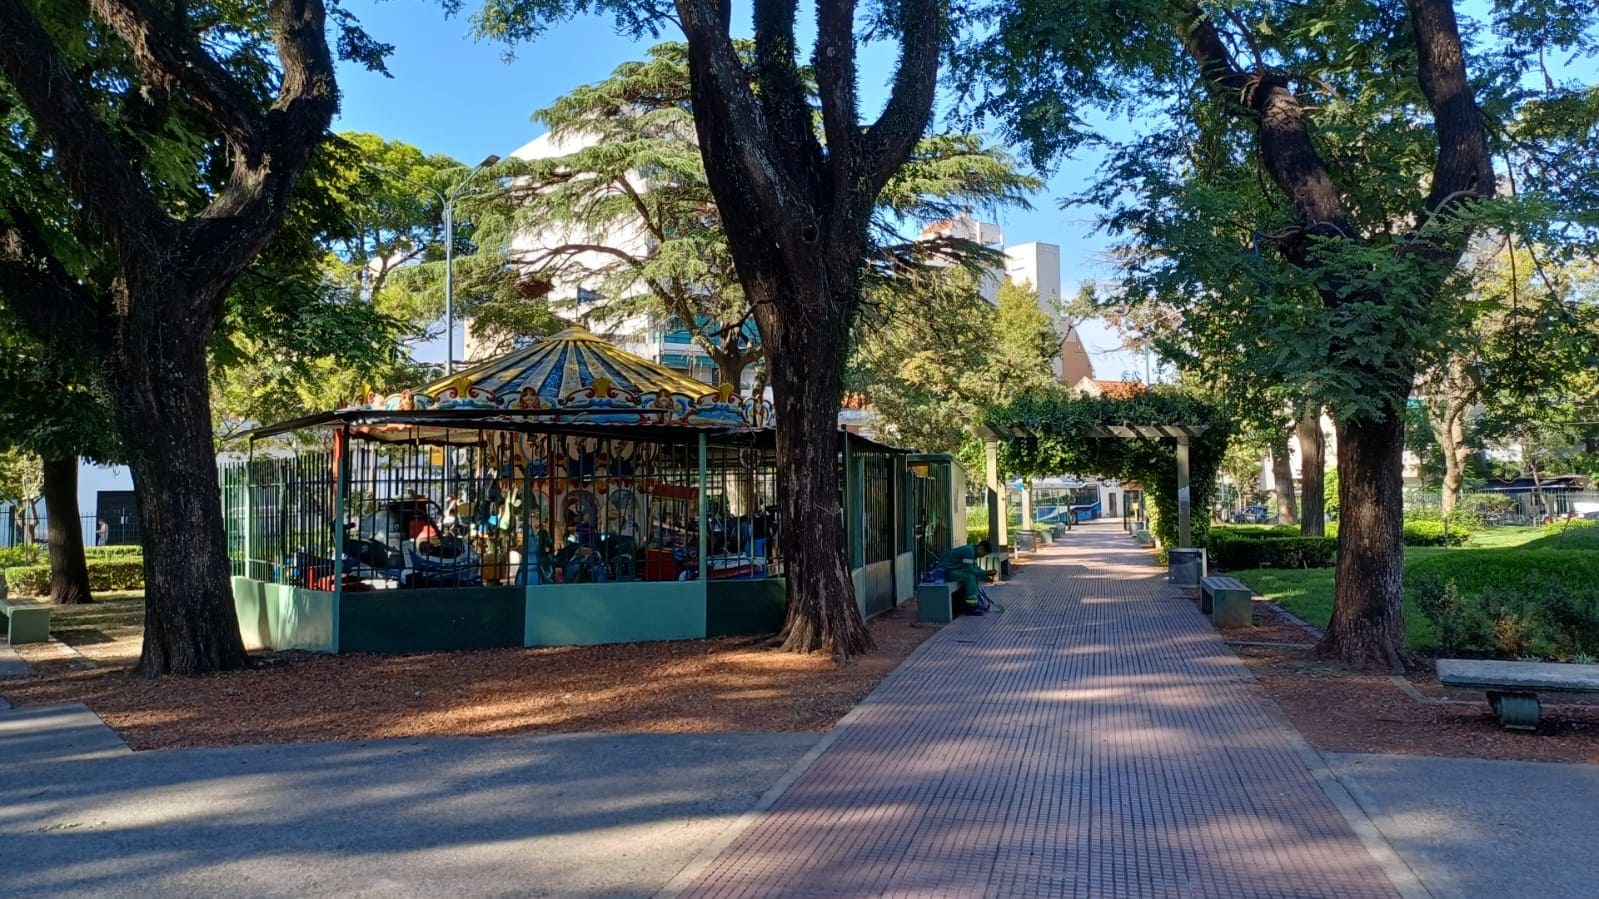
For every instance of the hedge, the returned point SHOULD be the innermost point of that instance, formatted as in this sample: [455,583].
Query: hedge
[120,551]
[1511,603]
[1423,532]
[104,574]
[1236,553]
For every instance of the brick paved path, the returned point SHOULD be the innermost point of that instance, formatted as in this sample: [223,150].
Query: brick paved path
[1096,740]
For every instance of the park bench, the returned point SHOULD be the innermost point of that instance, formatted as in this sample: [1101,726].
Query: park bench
[997,562]
[1227,601]
[935,603]
[1513,687]
[26,621]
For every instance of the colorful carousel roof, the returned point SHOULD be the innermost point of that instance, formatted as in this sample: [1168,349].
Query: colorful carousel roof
[579,378]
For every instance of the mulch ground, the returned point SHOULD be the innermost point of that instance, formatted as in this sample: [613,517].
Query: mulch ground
[1340,710]
[694,686]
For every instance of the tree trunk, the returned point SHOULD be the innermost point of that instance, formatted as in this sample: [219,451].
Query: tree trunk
[1367,628]
[69,570]
[1282,476]
[1312,474]
[806,383]
[1451,435]
[730,370]
[164,416]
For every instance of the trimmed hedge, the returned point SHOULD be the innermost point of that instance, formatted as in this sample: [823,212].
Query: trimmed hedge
[104,574]
[1511,602]
[120,551]
[13,556]
[1237,553]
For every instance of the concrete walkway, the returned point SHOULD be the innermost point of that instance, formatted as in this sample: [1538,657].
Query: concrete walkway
[577,815]
[1096,740]
[1475,827]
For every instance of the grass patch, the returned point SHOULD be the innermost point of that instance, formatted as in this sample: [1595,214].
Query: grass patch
[1508,558]
[1308,593]
[114,615]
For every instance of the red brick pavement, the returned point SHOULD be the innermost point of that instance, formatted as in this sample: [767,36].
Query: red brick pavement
[1096,740]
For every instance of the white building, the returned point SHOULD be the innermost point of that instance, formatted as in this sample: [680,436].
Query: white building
[575,293]
[105,493]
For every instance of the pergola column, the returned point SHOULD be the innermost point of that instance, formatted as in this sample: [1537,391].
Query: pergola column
[1185,534]
[996,491]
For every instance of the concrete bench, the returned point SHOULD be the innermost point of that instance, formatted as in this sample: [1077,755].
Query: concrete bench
[935,603]
[1227,601]
[1513,687]
[997,562]
[26,622]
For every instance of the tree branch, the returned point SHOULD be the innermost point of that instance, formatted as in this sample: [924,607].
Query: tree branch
[93,166]
[835,81]
[722,88]
[53,304]
[1289,155]
[238,223]
[168,56]
[1464,168]
[891,138]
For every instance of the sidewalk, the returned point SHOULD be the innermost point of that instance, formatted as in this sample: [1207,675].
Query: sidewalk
[1096,740]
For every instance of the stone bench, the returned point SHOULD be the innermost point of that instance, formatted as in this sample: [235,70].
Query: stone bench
[1513,687]
[998,563]
[1227,601]
[26,622]
[935,603]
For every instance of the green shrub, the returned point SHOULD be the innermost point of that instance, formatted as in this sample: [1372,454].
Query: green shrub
[1238,553]
[1510,602]
[12,556]
[1479,508]
[1253,531]
[1433,533]
[1440,601]
[104,574]
[1576,534]
[122,551]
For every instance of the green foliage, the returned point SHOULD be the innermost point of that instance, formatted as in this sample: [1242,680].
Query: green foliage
[126,573]
[939,356]
[1577,534]
[1067,443]
[1440,601]
[14,556]
[1233,553]
[624,210]
[1434,533]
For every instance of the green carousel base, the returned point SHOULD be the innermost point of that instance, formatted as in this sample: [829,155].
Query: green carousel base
[276,616]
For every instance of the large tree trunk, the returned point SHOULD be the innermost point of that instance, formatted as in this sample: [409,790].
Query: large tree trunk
[807,378]
[1282,476]
[1368,628]
[69,570]
[190,626]
[1312,474]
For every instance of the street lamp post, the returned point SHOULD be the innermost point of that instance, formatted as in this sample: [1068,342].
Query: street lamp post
[449,259]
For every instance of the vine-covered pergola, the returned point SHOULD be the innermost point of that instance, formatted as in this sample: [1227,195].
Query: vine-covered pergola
[1165,438]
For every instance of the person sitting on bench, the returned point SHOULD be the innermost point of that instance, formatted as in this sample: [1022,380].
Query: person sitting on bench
[960,567]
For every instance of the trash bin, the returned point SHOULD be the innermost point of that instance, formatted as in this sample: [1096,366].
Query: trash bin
[1185,566]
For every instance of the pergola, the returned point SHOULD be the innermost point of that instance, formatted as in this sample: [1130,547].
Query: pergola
[1180,434]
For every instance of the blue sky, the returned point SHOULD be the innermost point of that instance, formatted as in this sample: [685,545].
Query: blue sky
[451,94]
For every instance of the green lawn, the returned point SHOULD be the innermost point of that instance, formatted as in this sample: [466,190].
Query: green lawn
[1308,593]
[114,615]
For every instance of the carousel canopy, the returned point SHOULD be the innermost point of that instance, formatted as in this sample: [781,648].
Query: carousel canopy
[572,379]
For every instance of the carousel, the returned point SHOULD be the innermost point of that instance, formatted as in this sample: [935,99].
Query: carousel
[566,493]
